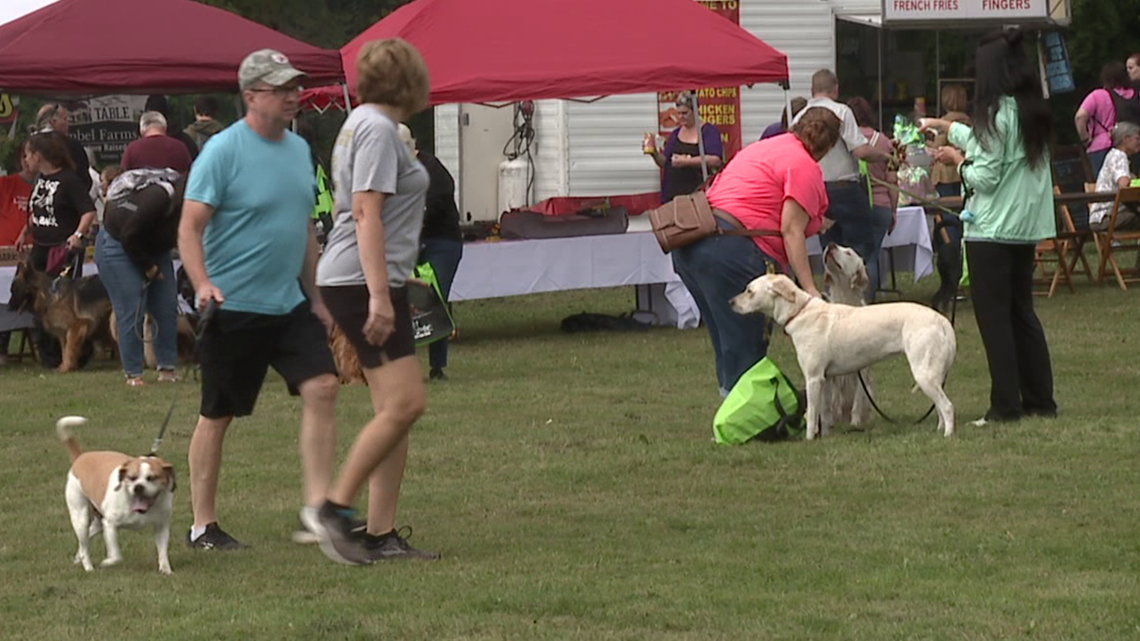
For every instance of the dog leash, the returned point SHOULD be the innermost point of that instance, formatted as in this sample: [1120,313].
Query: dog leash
[953,318]
[953,305]
[165,422]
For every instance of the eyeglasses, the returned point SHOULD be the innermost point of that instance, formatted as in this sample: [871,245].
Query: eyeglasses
[280,92]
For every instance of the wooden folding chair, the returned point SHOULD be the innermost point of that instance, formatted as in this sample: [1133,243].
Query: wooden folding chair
[1112,242]
[1054,251]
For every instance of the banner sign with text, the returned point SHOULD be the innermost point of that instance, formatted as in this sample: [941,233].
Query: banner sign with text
[719,106]
[106,125]
[896,11]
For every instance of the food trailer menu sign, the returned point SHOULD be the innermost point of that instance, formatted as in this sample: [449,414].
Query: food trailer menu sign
[899,11]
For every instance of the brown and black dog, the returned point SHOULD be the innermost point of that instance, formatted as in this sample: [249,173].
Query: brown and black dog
[77,312]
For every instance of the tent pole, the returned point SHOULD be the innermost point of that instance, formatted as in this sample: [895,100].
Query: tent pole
[788,106]
[700,137]
[347,99]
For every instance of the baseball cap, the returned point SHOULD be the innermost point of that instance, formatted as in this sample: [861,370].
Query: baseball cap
[268,66]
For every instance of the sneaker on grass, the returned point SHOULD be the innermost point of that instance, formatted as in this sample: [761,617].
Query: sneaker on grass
[394,546]
[333,527]
[307,535]
[214,538]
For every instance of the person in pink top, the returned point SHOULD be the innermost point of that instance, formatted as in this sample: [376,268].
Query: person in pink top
[1116,101]
[884,200]
[774,184]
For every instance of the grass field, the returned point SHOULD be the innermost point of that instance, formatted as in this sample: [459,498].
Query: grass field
[572,485]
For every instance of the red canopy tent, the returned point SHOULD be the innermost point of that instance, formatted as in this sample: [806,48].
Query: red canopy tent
[506,50]
[141,46]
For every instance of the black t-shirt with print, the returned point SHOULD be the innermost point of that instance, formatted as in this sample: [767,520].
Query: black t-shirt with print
[58,201]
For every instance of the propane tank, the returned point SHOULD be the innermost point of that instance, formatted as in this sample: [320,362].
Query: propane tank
[513,176]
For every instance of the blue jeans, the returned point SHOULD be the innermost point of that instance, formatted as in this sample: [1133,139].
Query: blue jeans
[714,270]
[125,284]
[1096,159]
[444,255]
[850,208]
[880,225]
[946,190]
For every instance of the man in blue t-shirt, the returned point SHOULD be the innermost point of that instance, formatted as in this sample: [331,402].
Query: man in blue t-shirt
[247,245]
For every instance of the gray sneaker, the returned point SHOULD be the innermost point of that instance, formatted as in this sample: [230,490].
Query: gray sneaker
[394,546]
[333,528]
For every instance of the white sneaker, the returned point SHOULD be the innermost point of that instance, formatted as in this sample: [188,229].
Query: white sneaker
[980,422]
[305,534]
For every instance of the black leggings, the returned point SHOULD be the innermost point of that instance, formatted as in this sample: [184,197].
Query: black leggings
[1001,286]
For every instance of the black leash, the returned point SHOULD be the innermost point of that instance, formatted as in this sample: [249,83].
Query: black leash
[953,318]
[165,422]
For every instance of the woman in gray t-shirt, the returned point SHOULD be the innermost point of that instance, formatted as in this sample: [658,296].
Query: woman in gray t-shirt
[363,273]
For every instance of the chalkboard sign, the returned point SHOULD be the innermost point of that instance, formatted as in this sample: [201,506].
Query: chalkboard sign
[1071,170]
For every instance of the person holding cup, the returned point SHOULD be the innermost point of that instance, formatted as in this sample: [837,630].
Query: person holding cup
[680,159]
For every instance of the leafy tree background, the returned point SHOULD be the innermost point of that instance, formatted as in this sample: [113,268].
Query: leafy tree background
[1102,30]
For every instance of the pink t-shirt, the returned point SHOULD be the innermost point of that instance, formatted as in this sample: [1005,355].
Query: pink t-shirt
[1102,116]
[754,186]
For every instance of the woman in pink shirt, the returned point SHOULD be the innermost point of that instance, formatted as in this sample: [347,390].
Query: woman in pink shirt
[774,184]
[884,201]
[1115,101]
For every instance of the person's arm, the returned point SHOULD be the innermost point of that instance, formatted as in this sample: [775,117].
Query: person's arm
[195,216]
[983,172]
[76,195]
[793,225]
[85,221]
[366,208]
[309,280]
[1081,121]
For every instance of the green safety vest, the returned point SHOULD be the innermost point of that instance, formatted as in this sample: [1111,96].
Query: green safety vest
[324,195]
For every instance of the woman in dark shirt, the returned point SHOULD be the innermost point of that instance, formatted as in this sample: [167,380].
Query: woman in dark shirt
[441,242]
[681,158]
[61,209]
[61,213]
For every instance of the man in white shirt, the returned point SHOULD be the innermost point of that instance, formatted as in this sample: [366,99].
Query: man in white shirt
[849,203]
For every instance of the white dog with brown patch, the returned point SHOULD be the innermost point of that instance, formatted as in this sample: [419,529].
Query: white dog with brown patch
[832,340]
[113,491]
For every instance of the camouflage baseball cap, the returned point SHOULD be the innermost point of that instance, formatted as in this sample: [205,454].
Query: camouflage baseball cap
[268,66]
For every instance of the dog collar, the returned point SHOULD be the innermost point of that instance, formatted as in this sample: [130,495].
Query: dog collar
[796,314]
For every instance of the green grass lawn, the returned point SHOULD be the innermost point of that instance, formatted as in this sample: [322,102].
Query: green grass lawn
[573,487]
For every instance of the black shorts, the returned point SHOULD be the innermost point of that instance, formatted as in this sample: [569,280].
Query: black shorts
[348,305]
[238,348]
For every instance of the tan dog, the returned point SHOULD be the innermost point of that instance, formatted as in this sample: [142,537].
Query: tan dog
[110,491]
[845,281]
[832,340]
[348,369]
[186,339]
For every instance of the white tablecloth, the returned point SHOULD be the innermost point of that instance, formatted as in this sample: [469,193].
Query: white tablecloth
[517,267]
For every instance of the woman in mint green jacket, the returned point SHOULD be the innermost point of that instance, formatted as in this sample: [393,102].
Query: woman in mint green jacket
[1009,208]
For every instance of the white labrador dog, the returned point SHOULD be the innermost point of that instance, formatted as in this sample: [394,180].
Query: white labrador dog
[845,281]
[832,340]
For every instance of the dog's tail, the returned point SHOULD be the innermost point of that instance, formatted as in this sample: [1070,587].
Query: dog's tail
[63,428]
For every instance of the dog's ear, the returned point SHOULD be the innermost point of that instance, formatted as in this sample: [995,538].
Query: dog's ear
[861,280]
[121,473]
[785,288]
[168,469]
[826,279]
